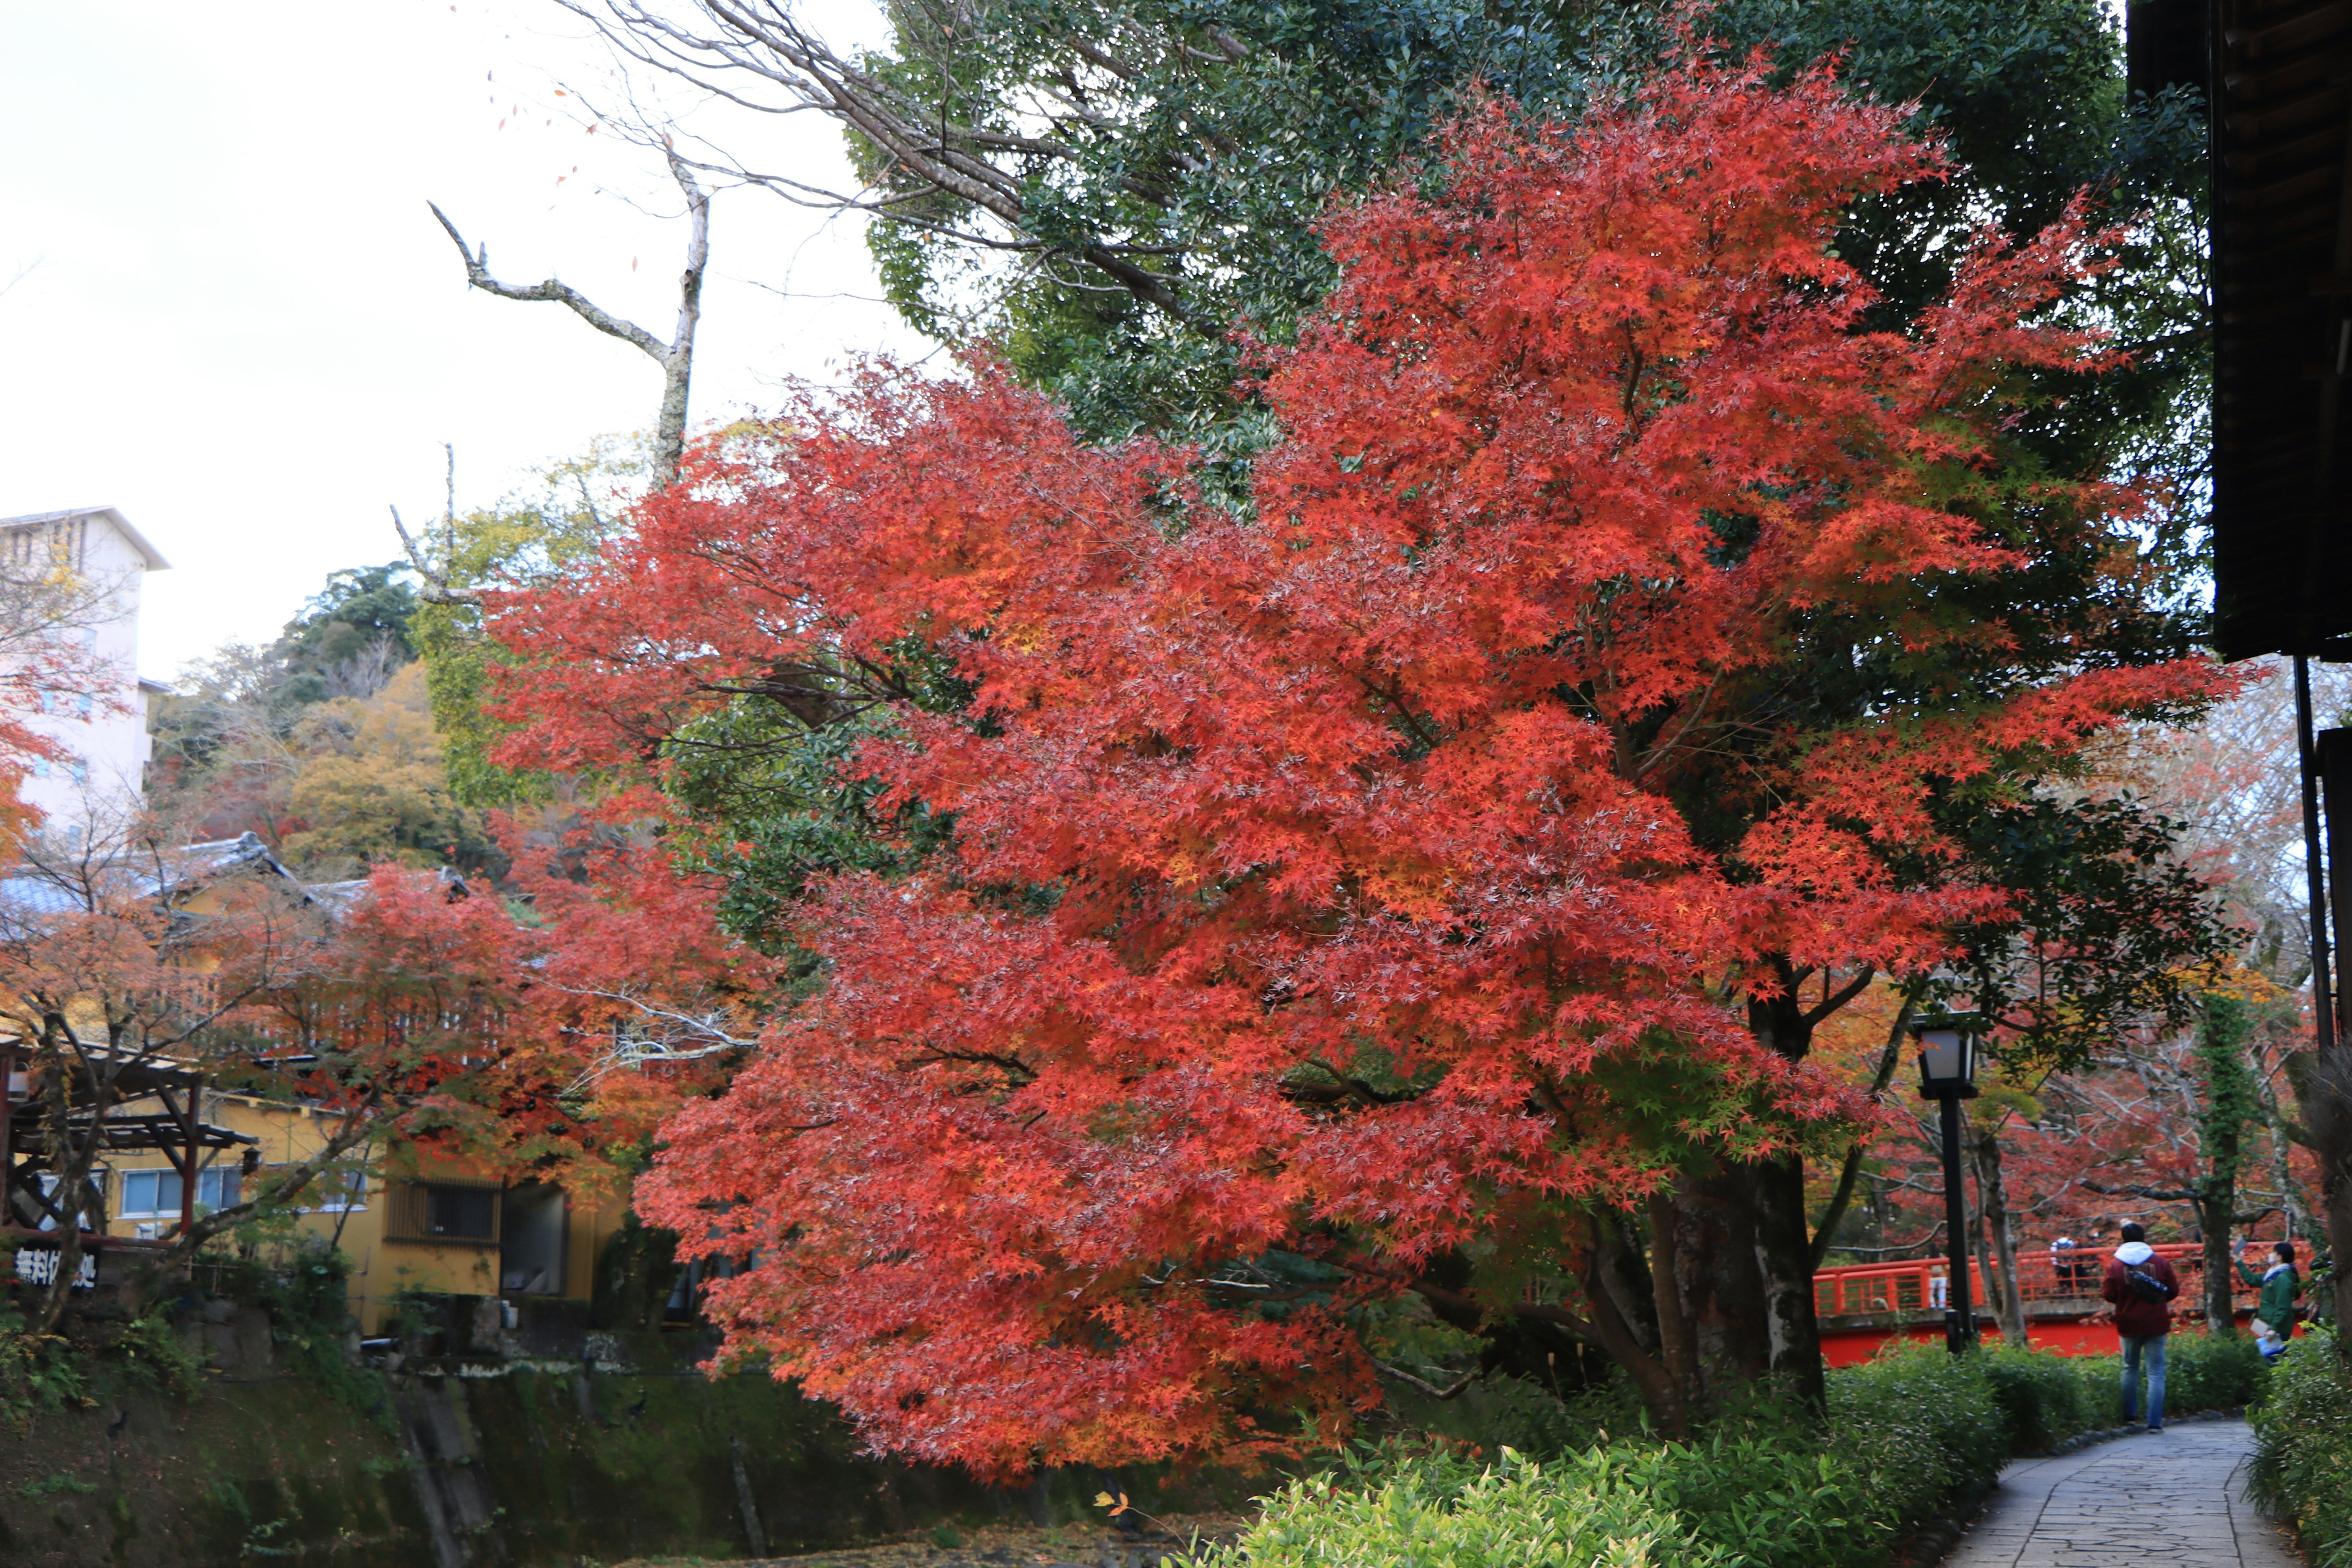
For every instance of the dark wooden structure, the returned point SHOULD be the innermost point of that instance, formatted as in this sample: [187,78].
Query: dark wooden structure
[2277,81]
[2280,85]
[148,1105]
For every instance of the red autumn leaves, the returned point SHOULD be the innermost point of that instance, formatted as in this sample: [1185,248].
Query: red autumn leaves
[1345,876]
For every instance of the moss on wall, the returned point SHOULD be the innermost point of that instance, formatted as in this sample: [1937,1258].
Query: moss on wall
[532,1468]
[249,1473]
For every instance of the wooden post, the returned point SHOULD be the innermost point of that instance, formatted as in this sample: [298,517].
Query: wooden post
[8,1126]
[189,1152]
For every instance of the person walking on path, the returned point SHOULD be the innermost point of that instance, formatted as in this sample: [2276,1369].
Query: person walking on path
[2275,1314]
[2140,1285]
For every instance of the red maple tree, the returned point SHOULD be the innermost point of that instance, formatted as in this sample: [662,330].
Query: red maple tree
[1401,885]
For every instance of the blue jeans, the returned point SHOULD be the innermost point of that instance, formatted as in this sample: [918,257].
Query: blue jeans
[2152,1350]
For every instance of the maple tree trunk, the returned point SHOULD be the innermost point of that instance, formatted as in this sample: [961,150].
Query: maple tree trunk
[1784,1253]
[1791,1341]
[1715,1254]
[1621,1268]
[1678,1348]
[1667,1397]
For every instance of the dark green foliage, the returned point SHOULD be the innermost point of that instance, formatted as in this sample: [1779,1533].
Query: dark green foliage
[310,1320]
[305,1290]
[2109,927]
[773,803]
[1207,148]
[38,1372]
[151,1351]
[361,615]
[2232,1097]
[2046,1399]
[1227,125]
[2303,1460]
[2029,95]
[635,1274]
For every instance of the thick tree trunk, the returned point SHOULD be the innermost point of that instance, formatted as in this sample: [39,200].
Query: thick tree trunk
[2215,1212]
[1717,1265]
[1783,1239]
[1784,1256]
[1667,1397]
[1677,1345]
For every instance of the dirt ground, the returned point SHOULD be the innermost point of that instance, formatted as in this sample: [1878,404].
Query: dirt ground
[1089,1545]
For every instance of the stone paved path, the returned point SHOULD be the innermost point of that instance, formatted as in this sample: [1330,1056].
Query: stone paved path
[2175,1497]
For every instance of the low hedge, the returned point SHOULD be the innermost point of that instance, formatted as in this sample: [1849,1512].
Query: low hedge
[2303,1455]
[1906,1435]
[2048,1398]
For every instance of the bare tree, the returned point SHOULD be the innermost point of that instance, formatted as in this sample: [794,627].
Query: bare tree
[676,356]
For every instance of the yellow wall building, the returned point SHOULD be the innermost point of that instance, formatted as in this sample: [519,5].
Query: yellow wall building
[442,1229]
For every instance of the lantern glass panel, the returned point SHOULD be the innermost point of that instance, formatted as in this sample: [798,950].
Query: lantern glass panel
[1944,1055]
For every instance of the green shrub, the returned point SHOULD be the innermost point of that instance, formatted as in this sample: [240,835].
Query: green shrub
[310,1319]
[153,1352]
[1762,1490]
[1581,1511]
[2045,1399]
[38,1372]
[1919,1411]
[2303,1456]
[1906,1434]
[2208,1372]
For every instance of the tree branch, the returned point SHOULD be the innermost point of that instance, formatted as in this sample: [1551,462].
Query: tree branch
[675,357]
[478,273]
[1431,1389]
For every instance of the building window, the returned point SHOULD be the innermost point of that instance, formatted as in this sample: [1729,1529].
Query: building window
[40,767]
[339,1191]
[454,1214]
[155,1195]
[94,1203]
[80,772]
[83,705]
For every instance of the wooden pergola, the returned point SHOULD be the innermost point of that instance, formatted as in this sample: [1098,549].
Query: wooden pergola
[156,1107]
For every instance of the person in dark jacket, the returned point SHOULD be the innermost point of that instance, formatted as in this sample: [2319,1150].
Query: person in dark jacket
[2280,1285]
[2143,1314]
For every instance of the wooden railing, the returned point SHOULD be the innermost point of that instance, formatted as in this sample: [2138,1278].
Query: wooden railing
[1907,1286]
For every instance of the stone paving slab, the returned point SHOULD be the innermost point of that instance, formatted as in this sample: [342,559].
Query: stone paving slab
[2176,1496]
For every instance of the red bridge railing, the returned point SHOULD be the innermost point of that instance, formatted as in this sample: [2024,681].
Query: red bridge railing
[1871,1288]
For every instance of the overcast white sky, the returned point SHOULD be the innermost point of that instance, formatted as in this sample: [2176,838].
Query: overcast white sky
[241,325]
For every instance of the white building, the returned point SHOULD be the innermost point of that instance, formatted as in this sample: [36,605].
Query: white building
[103,731]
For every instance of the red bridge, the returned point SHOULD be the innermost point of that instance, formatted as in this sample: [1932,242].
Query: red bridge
[1863,1307]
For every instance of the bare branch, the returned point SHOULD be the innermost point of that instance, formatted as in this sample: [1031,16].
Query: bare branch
[477,273]
[1431,1389]
[436,589]
[676,356]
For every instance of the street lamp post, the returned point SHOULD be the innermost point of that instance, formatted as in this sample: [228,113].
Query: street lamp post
[1948,1064]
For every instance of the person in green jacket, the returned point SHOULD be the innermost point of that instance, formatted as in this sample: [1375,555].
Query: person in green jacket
[2280,1285]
